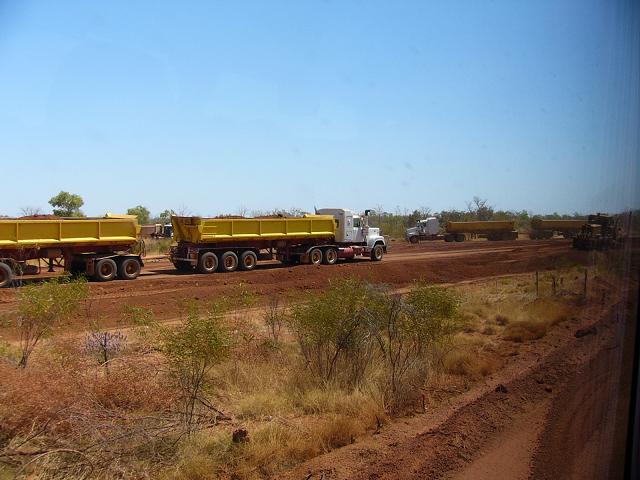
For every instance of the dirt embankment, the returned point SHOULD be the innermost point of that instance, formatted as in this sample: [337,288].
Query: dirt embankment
[557,410]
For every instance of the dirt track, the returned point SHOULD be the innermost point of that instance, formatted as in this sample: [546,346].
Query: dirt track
[161,288]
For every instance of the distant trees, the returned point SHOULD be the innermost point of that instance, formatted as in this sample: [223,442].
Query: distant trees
[165,217]
[67,204]
[141,212]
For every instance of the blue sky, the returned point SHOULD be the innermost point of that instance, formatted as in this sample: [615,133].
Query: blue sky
[214,106]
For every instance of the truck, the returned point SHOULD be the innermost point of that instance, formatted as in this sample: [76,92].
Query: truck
[101,248]
[546,229]
[599,232]
[209,245]
[429,229]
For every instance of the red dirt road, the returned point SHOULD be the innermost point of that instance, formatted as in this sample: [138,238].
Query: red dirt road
[161,287]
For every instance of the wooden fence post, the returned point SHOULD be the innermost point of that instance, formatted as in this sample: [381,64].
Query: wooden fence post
[537,286]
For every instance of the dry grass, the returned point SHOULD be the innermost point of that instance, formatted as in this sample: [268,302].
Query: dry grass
[525,330]
[471,357]
[263,387]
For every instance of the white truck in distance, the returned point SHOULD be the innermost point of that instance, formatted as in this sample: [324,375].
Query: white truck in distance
[426,229]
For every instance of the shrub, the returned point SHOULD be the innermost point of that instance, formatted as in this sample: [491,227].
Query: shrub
[501,320]
[468,362]
[41,307]
[192,349]
[409,329]
[334,331]
[524,330]
[274,319]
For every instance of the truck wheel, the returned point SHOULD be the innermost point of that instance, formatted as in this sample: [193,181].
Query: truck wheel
[460,237]
[377,252]
[330,256]
[228,262]
[129,269]
[315,256]
[449,237]
[6,275]
[105,270]
[414,239]
[248,260]
[207,263]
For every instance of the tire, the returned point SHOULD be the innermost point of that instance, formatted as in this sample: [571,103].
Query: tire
[228,262]
[129,269]
[460,237]
[207,263]
[377,252]
[105,270]
[248,260]
[414,239]
[315,256]
[6,275]
[330,256]
[449,237]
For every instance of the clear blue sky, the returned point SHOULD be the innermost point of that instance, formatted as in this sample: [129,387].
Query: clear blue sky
[217,105]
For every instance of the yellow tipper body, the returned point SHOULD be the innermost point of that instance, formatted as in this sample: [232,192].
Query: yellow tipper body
[215,230]
[36,233]
[540,224]
[480,226]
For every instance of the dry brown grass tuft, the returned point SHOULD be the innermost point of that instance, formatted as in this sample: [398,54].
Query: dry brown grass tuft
[525,330]
[501,320]
[468,363]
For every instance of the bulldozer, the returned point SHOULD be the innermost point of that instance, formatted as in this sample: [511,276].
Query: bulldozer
[600,232]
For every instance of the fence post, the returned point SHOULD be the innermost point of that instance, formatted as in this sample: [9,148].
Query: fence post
[584,288]
[537,285]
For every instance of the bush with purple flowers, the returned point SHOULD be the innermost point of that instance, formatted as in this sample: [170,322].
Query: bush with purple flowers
[105,345]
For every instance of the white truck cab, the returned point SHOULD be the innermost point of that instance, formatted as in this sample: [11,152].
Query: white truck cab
[424,229]
[353,229]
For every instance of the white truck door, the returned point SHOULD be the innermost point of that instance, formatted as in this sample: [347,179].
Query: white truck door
[348,227]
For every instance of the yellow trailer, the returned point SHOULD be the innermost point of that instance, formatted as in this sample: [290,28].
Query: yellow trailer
[215,230]
[226,244]
[98,247]
[493,229]
[541,228]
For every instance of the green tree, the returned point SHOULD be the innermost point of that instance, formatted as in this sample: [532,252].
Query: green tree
[165,217]
[67,204]
[141,212]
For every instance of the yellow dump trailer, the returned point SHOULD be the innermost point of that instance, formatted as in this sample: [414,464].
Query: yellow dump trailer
[20,234]
[98,247]
[226,244]
[541,228]
[199,230]
[493,229]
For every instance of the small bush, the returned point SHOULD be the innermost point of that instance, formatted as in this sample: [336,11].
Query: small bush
[42,307]
[501,320]
[488,330]
[469,362]
[192,349]
[334,331]
[525,330]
